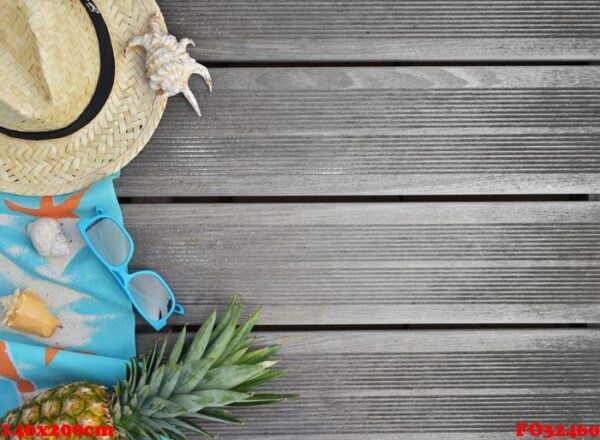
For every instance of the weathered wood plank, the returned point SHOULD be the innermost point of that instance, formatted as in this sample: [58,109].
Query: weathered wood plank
[421,385]
[379,263]
[324,131]
[379,30]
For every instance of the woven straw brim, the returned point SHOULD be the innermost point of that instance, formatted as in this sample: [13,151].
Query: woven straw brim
[115,136]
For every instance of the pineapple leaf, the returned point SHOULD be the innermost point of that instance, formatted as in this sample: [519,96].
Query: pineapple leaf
[143,376]
[174,434]
[172,377]
[260,355]
[143,395]
[191,402]
[232,359]
[116,406]
[155,427]
[151,358]
[265,399]
[190,426]
[220,344]
[176,352]
[200,341]
[191,374]
[156,380]
[265,377]
[243,331]
[207,398]
[140,432]
[225,378]
[216,415]
[170,410]
[246,343]
[125,395]
[155,404]
[161,355]
[131,370]
[224,322]
[165,425]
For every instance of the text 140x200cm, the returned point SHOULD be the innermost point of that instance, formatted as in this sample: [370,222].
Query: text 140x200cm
[64,430]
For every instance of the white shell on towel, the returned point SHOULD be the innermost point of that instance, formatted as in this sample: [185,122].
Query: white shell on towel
[48,238]
[168,65]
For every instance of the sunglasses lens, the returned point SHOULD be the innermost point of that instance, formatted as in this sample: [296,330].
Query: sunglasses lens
[150,295]
[109,241]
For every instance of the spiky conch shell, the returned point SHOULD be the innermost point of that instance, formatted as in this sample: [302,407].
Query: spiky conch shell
[168,65]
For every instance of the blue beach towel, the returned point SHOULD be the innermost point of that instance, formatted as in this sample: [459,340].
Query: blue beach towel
[98,334]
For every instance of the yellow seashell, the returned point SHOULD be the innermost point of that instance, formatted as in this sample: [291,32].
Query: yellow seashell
[26,312]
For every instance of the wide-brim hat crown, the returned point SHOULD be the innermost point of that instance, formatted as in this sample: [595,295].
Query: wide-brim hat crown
[73,107]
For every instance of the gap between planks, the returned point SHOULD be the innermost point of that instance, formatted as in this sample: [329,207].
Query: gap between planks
[432,63]
[365,199]
[143,328]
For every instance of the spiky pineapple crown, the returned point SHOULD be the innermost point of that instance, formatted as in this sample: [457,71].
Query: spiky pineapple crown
[161,399]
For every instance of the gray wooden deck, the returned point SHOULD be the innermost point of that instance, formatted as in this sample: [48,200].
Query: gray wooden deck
[405,187]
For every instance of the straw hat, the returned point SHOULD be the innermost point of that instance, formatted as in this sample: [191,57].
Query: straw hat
[73,108]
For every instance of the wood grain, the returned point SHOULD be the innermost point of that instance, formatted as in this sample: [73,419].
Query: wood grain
[421,385]
[370,131]
[379,30]
[378,263]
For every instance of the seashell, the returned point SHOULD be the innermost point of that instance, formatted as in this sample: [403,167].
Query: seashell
[26,312]
[168,65]
[48,238]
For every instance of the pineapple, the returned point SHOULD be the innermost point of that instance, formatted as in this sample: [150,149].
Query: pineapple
[168,398]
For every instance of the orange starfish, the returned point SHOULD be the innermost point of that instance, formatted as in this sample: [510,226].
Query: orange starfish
[51,353]
[9,371]
[47,207]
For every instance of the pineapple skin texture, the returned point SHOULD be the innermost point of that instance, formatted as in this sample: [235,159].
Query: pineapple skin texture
[78,403]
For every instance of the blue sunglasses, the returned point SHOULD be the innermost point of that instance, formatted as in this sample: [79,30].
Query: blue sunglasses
[148,291]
